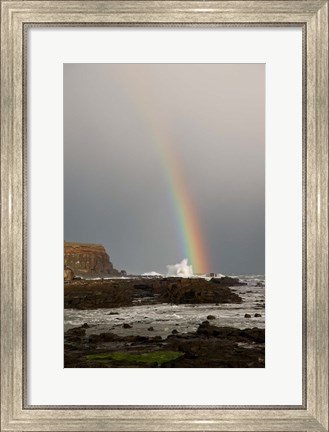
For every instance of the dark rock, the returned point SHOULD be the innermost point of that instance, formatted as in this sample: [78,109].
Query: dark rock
[151,365]
[174,331]
[208,347]
[197,291]
[144,290]
[254,334]
[211,317]
[76,331]
[110,293]
[247,315]
[103,337]
[150,329]
[126,326]
[137,339]
[228,281]
[257,315]
[208,330]
[96,294]
[85,325]
[142,287]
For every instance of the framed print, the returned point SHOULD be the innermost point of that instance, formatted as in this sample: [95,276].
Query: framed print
[164,215]
[150,321]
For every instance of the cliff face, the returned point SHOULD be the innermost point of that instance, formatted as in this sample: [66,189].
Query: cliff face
[68,273]
[87,259]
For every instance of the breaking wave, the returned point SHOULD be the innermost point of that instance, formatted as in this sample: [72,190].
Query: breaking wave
[181,269]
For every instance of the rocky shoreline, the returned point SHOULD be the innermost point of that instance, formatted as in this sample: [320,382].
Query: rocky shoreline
[209,346]
[129,342]
[117,292]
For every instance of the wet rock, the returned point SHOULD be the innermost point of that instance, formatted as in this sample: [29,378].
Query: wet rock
[136,339]
[103,337]
[144,290]
[228,281]
[230,333]
[254,335]
[211,317]
[214,331]
[77,331]
[247,315]
[209,346]
[257,315]
[197,291]
[110,293]
[85,325]
[96,294]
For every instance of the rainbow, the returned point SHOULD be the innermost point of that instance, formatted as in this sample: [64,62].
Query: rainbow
[187,221]
[188,227]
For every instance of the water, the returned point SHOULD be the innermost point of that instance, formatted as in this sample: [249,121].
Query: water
[164,318]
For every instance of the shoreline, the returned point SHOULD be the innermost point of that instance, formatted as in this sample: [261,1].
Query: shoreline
[209,346]
[150,333]
[109,293]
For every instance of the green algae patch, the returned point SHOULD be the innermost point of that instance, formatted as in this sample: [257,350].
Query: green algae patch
[159,357]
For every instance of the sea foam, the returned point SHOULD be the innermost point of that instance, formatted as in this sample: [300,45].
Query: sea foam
[152,273]
[181,269]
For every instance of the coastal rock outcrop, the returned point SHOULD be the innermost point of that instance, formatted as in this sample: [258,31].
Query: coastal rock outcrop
[207,347]
[83,294]
[68,273]
[88,259]
[95,294]
[197,291]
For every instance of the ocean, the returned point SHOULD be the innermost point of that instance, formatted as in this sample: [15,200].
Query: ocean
[164,318]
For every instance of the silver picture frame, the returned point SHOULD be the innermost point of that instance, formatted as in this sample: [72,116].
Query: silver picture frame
[16,18]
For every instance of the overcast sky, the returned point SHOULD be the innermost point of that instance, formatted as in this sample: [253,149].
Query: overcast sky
[119,123]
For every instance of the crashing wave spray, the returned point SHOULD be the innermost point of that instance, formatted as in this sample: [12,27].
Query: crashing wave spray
[181,269]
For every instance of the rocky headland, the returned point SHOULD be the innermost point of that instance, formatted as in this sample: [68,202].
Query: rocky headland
[88,260]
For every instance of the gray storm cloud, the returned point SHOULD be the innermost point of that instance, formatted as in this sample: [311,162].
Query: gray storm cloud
[116,189]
